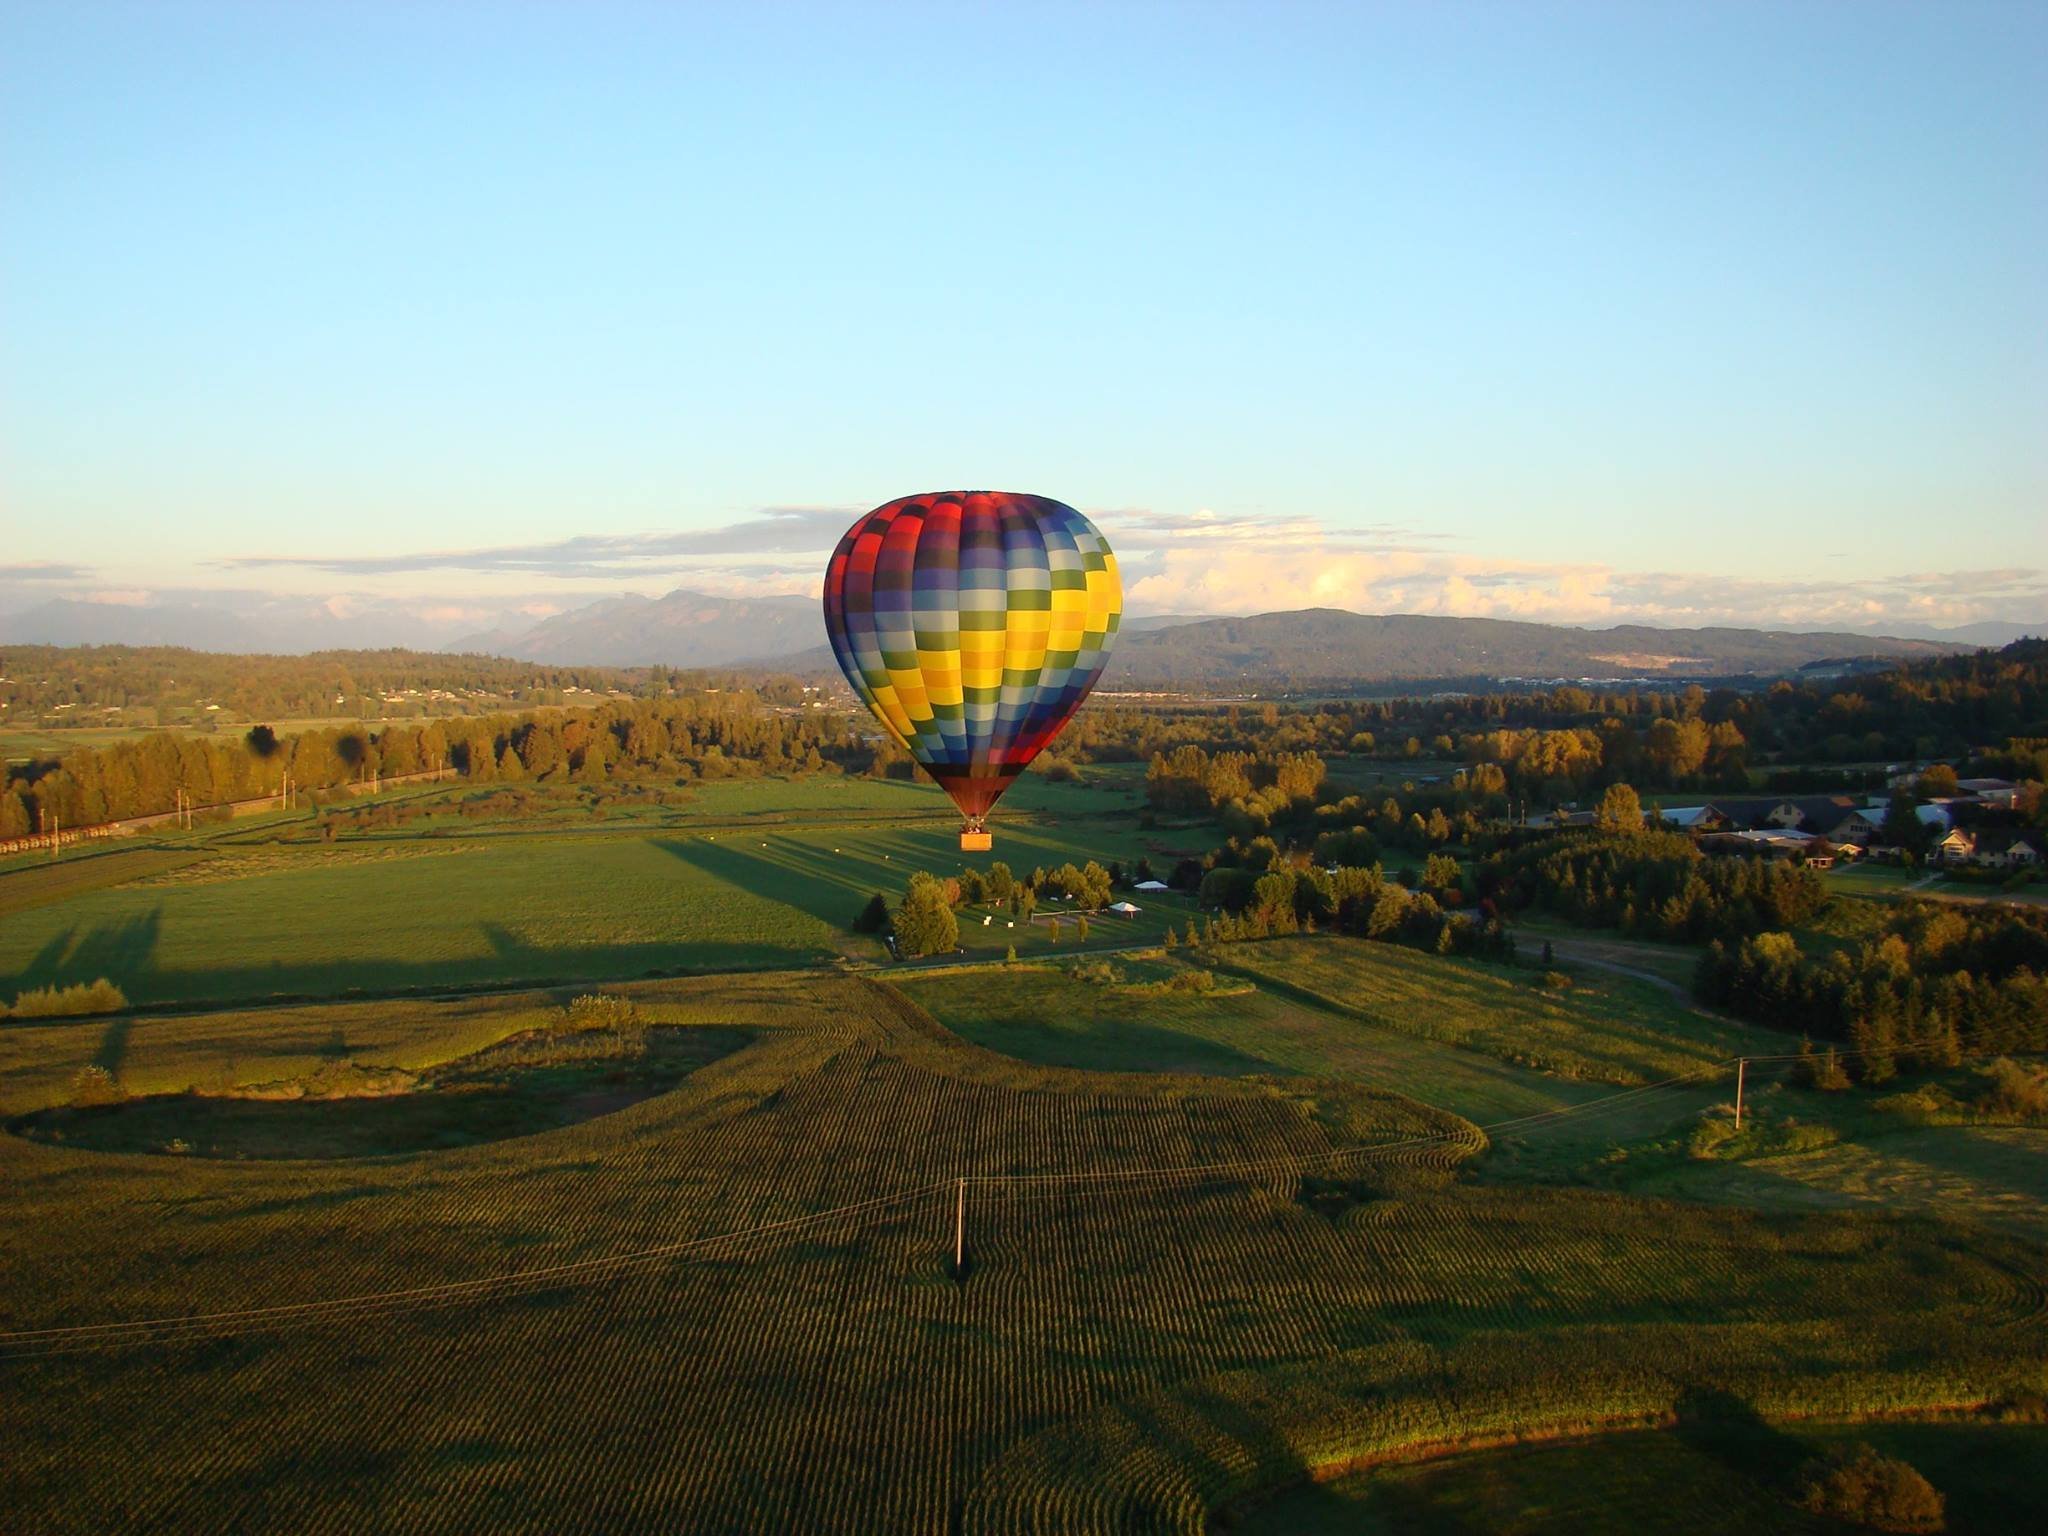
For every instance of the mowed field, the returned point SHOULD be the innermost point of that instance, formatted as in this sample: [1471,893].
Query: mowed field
[745,874]
[732,1305]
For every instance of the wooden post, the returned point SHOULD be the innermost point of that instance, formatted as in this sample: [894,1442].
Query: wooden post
[959,1228]
[1741,1066]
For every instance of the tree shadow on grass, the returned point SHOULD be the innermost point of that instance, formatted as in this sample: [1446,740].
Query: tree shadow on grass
[127,953]
[119,950]
[1721,1426]
[47,961]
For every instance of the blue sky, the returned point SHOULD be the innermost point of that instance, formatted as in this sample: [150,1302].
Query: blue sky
[1587,312]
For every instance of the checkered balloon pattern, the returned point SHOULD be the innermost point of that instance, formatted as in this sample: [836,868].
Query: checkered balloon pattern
[973,623]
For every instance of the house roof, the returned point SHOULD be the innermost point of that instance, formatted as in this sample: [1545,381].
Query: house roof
[1771,837]
[1687,815]
[1823,813]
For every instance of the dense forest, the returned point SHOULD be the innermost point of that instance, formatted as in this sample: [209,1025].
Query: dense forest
[1989,709]
[1936,983]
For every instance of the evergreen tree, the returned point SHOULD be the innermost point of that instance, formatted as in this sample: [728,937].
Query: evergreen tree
[925,924]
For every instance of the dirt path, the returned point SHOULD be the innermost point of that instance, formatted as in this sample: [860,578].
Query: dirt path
[1599,957]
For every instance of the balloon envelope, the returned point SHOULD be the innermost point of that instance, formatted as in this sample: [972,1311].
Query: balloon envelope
[973,623]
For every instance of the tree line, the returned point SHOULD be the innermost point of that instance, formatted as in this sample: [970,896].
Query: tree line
[169,681]
[1936,983]
[1652,884]
[696,736]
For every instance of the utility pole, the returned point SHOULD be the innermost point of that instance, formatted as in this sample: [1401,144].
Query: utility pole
[959,1229]
[1741,1066]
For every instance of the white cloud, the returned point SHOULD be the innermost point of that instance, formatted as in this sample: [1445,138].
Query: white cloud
[1252,571]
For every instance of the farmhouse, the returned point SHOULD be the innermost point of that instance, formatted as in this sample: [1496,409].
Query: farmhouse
[1861,826]
[2005,851]
[1957,848]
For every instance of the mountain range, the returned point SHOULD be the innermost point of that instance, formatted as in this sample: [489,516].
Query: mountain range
[683,629]
[697,629]
[693,629]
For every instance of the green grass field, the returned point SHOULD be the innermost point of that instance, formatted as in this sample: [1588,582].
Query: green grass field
[506,910]
[745,874]
[1221,1240]
[1605,1028]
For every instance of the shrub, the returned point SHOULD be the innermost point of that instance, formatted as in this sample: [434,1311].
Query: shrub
[1556,981]
[595,1010]
[1857,1485]
[1823,1072]
[2013,1090]
[95,1085]
[100,996]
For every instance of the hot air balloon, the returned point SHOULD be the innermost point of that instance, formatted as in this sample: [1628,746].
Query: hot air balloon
[973,623]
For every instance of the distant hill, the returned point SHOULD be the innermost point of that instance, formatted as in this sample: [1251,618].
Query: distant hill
[1329,645]
[1993,632]
[241,622]
[199,627]
[683,629]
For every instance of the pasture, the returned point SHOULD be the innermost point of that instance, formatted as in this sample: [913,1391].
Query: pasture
[1231,1221]
[731,1304]
[745,874]
[1603,1028]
